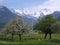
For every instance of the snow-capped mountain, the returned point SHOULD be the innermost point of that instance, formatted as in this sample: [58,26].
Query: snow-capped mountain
[36,14]
[32,16]
[46,11]
[28,15]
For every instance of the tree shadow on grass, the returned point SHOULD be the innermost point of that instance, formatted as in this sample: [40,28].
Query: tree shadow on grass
[9,39]
[55,40]
[5,39]
[32,38]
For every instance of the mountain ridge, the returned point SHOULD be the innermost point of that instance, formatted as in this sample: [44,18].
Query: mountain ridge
[6,15]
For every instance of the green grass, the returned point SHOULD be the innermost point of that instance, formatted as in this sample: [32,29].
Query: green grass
[30,39]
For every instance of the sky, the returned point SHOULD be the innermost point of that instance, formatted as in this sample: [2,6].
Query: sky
[20,4]
[31,4]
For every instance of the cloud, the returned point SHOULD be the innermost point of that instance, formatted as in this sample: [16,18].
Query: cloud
[50,4]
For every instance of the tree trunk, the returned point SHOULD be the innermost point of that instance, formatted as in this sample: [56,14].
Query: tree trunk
[50,35]
[12,36]
[45,36]
[20,36]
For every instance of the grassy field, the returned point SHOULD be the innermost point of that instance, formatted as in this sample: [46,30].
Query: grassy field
[30,39]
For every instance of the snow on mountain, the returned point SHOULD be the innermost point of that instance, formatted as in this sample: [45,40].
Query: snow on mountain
[46,11]
[28,15]
[31,16]
[36,14]
[24,12]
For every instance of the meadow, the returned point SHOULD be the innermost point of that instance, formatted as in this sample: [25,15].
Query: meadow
[30,39]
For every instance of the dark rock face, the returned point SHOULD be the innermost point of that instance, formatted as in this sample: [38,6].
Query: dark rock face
[5,15]
[56,15]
